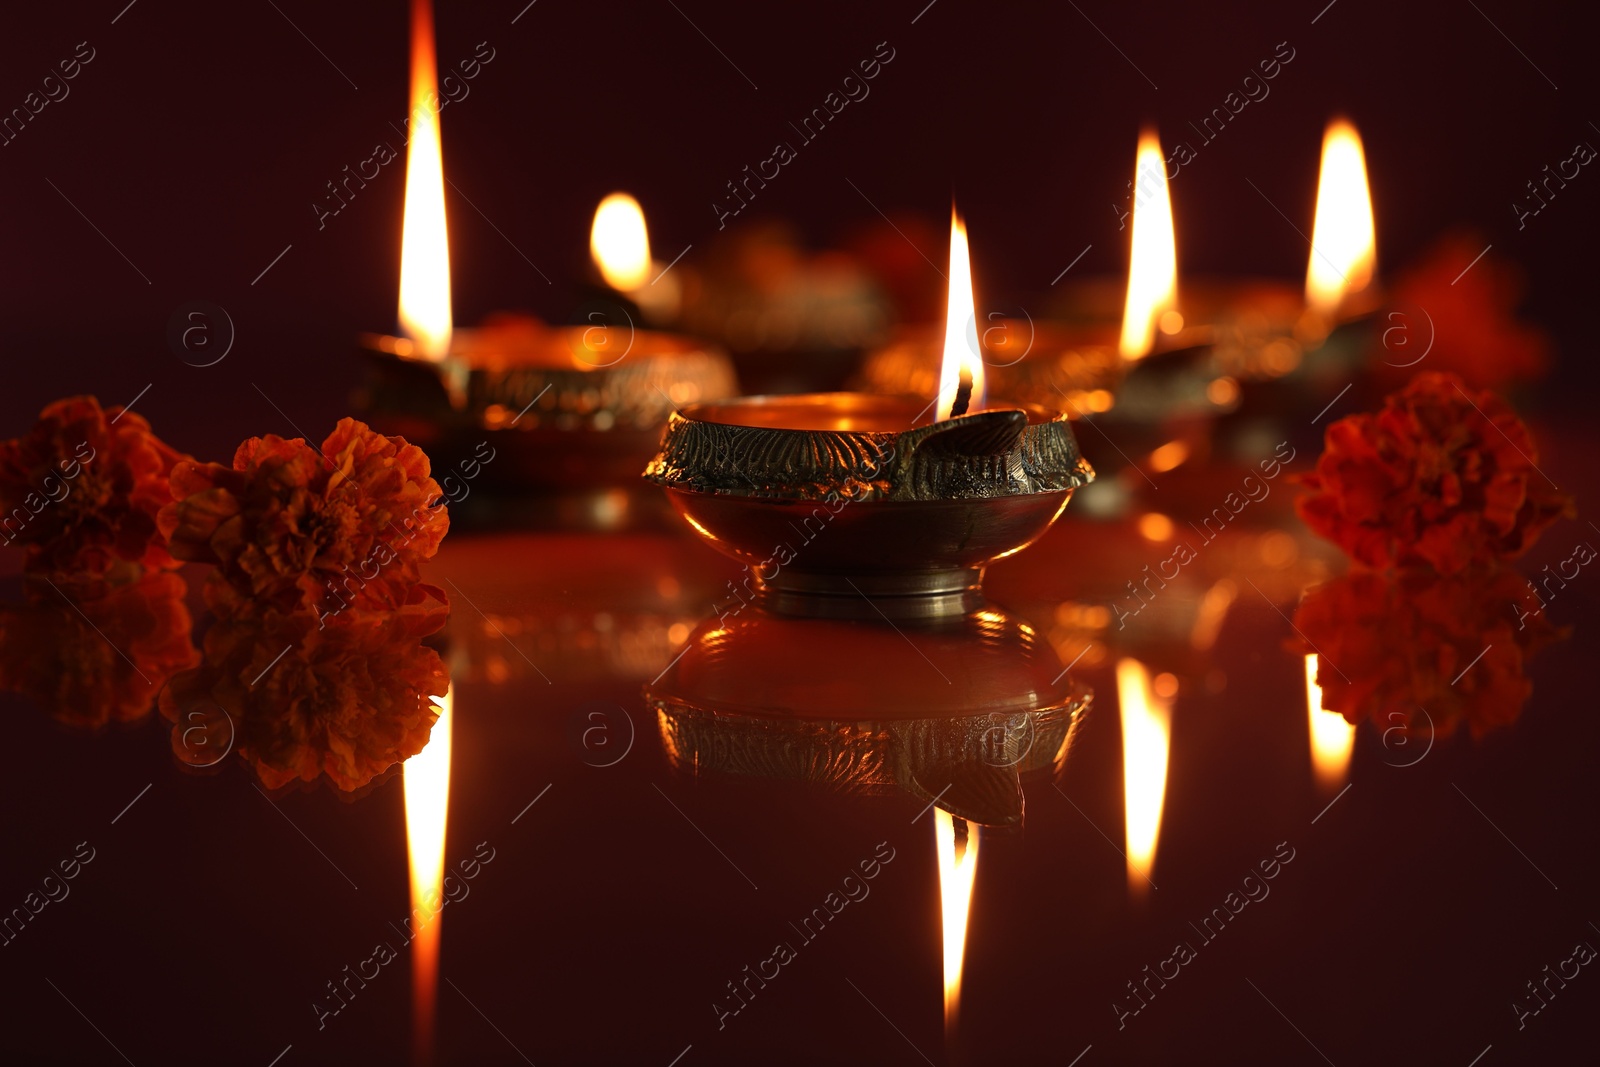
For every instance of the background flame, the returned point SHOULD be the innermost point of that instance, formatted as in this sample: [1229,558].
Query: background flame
[1146,741]
[427,789]
[424,242]
[1343,238]
[955,900]
[961,352]
[1153,260]
[1331,737]
[619,242]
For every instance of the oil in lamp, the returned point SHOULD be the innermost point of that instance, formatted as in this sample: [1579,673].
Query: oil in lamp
[515,405]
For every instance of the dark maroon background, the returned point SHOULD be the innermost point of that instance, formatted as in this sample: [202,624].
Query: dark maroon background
[197,141]
[201,134]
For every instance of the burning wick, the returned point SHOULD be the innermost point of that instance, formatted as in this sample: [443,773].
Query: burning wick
[961,368]
[963,394]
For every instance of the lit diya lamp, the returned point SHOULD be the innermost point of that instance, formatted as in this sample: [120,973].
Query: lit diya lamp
[1262,330]
[1119,349]
[859,505]
[516,404]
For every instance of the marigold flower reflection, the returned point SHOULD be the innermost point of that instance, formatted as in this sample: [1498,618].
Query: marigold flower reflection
[957,867]
[1153,260]
[427,789]
[1146,740]
[1343,237]
[961,385]
[424,243]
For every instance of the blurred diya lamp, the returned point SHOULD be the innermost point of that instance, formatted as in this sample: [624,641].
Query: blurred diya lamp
[846,504]
[619,249]
[519,405]
[794,320]
[1265,331]
[989,705]
[514,405]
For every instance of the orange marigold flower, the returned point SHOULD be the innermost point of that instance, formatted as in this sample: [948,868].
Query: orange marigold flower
[82,489]
[295,529]
[101,655]
[1423,653]
[347,700]
[1441,476]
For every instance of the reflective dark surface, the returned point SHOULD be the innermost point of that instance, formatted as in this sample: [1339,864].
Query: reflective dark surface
[1402,922]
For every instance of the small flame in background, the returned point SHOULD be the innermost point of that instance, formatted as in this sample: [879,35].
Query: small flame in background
[1343,237]
[620,243]
[957,867]
[1153,261]
[1331,737]
[962,357]
[427,789]
[1146,741]
[424,243]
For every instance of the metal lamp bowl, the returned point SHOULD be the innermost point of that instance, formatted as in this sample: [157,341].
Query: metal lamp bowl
[844,503]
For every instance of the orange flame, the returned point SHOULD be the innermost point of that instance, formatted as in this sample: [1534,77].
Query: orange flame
[1146,740]
[1331,737]
[427,788]
[1153,260]
[962,357]
[619,242]
[956,874]
[1343,237]
[424,243]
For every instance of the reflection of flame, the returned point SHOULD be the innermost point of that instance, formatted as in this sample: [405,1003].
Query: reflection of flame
[1343,239]
[1153,262]
[1146,738]
[955,897]
[424,243]
[962,363]
[1331,737]
[619,242]
[427,781]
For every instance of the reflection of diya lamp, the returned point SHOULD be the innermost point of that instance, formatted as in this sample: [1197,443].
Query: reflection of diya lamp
[849,504]
[990,704]
[557,409]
